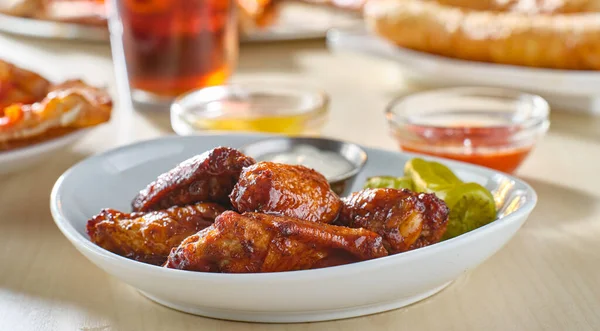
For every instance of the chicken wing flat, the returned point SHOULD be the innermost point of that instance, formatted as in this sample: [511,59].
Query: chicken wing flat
[255,242]
[286,190]
[206,177]
[406,220]
[149,237]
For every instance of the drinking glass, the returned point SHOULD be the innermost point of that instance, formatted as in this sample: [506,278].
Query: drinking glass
[163,48]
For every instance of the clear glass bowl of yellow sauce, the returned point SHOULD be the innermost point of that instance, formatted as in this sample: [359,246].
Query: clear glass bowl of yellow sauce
[273,107]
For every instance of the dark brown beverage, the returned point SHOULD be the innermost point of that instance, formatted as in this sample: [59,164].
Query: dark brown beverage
[173,46]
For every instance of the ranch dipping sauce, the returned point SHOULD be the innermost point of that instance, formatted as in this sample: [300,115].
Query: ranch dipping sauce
[328,163]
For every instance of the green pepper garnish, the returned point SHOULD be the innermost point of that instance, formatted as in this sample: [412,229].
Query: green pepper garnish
[471,206]
[430,177]
[389,182]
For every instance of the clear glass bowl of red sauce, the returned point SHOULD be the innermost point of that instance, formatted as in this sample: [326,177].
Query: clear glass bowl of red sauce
[492,127]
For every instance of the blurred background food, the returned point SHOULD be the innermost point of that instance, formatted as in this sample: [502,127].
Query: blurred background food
[548,34]
[353,5]
[308,18]
[560,34]
[89,12]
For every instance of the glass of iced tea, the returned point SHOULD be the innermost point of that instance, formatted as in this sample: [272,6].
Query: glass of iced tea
[169,47]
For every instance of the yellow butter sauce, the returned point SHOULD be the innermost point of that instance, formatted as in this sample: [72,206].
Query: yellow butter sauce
[259,113]
[289,125]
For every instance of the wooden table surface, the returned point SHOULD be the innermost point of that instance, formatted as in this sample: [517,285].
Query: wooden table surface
[546,278]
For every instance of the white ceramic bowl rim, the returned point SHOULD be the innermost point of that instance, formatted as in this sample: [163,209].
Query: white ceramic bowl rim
[84,243]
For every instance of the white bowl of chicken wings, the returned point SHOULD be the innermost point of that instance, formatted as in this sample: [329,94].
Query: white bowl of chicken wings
[198,226]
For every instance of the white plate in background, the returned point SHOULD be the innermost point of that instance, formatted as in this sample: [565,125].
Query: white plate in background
[24,157]
[52,30]
[112,179]
[567,89]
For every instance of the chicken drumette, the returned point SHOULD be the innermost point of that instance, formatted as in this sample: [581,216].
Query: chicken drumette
[149,237]
[255,242]
[206,177]
[286,190]
[406,220]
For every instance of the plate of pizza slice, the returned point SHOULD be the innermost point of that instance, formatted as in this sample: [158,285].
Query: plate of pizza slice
[38,117]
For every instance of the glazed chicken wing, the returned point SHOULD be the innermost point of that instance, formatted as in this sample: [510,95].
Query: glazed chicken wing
[149,237]
[255,242]
[206,177]
[406,220]
[286,190]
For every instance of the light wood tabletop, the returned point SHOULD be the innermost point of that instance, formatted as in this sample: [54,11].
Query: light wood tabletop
[546,278]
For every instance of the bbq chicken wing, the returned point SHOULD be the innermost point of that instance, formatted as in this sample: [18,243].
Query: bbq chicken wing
[286,190]
[149,237]
[206,177]
[406,220]
[255,242]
